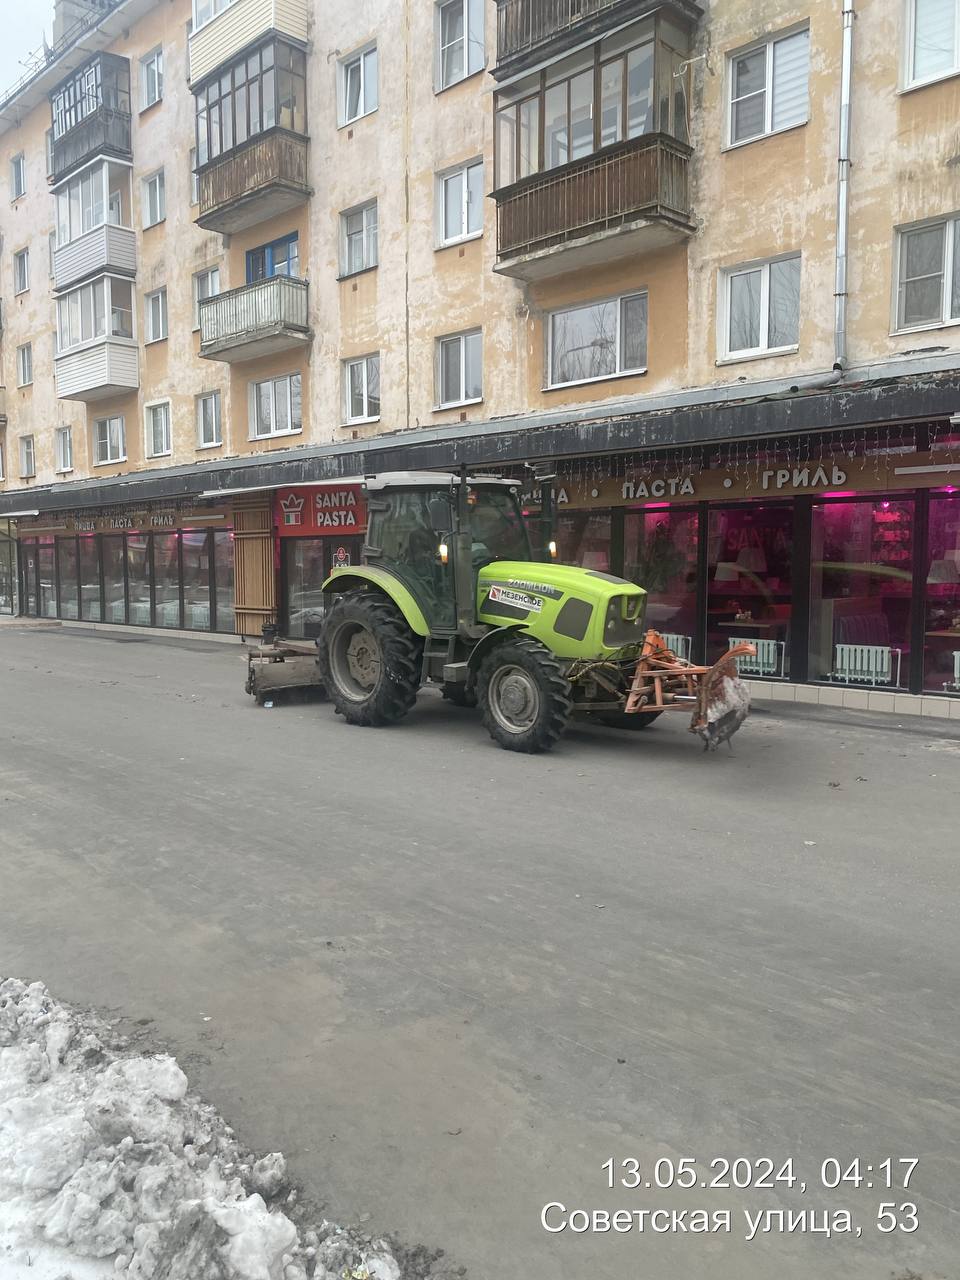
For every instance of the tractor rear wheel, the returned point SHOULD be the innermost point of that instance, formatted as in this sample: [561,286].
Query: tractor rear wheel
[524,696]
[369,659]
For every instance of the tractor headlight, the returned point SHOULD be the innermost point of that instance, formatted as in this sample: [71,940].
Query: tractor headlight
[624,621]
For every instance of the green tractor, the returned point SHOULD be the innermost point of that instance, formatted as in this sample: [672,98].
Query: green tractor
[451,593]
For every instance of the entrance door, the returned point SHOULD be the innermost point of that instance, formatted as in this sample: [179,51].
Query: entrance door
[306,564]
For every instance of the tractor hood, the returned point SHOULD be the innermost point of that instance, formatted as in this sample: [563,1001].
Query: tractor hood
[577,613]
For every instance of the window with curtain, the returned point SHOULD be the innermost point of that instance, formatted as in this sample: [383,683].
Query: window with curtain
[928,274]
[933,33]
[768,87]
[459,40]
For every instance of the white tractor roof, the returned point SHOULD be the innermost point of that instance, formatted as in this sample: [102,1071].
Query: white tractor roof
[430,480]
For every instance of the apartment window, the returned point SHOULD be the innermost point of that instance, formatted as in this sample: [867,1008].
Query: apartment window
[28,460]
[206,284]
[88,200]
[461,202]
[21,271]
[278,258]
[103,308]
[157,423]
[459,40]
[25,365]
[109,441]
[18,176]
[359,94]
[151,78]
[358,239]
[769,87]
[155,305]
[599,340]
[205,10]
[275,407]
[64,441]
[928,268]
[194,178]
[933,39]
[154,199]
[761,308]
[265,89]
[460,369]
[48,142]
[361,389]
[208,420]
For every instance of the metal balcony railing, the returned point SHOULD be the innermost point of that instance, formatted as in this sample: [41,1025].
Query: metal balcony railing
[253,311]
[523,25]
[104,131]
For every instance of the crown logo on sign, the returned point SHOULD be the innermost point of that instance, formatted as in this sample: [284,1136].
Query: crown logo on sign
[292,508]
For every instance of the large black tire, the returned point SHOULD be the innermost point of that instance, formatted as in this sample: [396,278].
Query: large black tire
[370,660]
[636,719]
[524,696]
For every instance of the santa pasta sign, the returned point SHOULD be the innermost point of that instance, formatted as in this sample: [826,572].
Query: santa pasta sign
[305,512]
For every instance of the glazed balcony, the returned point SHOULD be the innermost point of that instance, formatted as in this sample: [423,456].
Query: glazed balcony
[529,30]
[106,367]
[264,177]
[231,31]
[255,320]
[91,115]
[629,198]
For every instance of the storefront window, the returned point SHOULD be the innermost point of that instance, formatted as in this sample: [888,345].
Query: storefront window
[138,573]
[28,552]
[8,562]
[47,580]
[583,538]
[305,573]
[196,580]
[749,587]
[860,590]
[223,576]
[114,578]
[67,570]
[89,579]
[941,654]
[660,555]
[166,567]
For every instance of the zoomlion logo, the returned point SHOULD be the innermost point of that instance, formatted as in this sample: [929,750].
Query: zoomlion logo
[292,508]
[517,599]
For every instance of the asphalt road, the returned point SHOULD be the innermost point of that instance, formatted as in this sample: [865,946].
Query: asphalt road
[450,982]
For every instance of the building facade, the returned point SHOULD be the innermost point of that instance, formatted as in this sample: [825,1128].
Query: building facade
[703,260]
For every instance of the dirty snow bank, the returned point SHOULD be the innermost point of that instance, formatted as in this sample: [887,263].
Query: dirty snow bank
[109,1167]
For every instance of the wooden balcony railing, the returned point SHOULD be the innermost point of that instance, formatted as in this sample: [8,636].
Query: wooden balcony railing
[277,159]
[242,316]
[645,177]
[104,130]
[523,25]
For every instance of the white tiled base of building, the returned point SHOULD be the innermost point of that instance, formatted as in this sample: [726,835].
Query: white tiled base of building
[900,704]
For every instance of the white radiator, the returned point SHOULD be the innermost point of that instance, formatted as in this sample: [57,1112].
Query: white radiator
[866,664]
[681,645]
[956,671]
[769,660]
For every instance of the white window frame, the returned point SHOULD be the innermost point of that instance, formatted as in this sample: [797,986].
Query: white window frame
[206,273]
[28,447]
[371,234]
[25,365]
[65,204]
[110,313]
[213,396]
[447,175]
[907,79]
[149,334]
[121,439]
[948,221]
[347,366]
[152,59]
[619,299]
[438,367]
[21,255]
[440,84]
[343,67]
[216,8]
[148,439]
[768,43]
[194,178]
[253,406]
[763,265]
[146,183]
[2,476]
[64,448]
[18,176]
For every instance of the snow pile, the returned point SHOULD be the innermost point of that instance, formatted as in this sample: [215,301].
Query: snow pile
[109,1167]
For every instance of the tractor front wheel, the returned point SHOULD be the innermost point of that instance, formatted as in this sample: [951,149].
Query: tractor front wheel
[369,660]
[524,696]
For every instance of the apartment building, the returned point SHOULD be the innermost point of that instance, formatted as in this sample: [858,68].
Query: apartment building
[699,259]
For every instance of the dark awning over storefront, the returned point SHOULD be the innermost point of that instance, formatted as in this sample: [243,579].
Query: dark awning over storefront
[504,442]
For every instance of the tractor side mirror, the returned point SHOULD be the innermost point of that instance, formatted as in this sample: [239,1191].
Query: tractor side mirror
[441,515]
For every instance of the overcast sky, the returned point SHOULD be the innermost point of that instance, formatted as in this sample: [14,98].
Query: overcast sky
[23,24]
